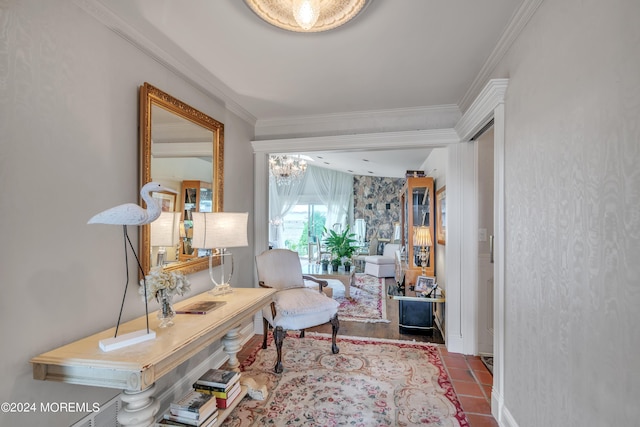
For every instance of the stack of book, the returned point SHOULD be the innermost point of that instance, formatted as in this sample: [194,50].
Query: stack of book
[221,384]
[193,409]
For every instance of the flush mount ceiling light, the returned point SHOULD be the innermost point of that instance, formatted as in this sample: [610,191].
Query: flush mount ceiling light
[307,16]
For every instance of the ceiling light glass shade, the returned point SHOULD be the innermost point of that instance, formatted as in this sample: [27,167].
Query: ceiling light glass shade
[307,15]
[287,169]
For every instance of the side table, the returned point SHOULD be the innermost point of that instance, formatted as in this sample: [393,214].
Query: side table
[346,277]
[416,313]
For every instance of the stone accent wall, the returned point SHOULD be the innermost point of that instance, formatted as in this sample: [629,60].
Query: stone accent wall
[377,200]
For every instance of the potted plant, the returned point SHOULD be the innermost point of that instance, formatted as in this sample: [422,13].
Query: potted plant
[335,263]
[347,265]
[340,244]
[325,264]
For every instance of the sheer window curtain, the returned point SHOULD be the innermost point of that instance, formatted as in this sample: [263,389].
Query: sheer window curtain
[282,197]
[335,190]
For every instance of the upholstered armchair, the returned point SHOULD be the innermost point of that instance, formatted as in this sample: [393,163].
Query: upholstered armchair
[382,265]
[295,306]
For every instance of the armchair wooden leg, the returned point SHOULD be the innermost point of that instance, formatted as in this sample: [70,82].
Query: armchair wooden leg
[265,327]
[302,333]
[335,325]
[278,336]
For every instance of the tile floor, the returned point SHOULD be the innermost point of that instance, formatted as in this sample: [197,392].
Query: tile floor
[472,382]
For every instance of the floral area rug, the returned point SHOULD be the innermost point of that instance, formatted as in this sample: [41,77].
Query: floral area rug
[370,382]
[367,302]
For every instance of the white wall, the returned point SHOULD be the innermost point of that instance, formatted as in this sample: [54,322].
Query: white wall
[573,229]
[69,149]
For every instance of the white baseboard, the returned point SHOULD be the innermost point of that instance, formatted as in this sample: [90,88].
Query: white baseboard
[500,412]
[507,418]
[454,344]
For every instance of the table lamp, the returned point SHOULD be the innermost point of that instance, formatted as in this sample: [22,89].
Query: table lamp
[422,238]
[165,234]
[219,231]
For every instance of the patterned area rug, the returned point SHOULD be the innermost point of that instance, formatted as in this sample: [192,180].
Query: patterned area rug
[367,303]
[369,383]
[488,362]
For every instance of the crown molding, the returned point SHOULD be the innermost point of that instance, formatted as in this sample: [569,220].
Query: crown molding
[481,111]
[332,118]
[366,141]
[517,23]
[185,67]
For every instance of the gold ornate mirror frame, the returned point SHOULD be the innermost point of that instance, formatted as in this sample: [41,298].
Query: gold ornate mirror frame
[151,96]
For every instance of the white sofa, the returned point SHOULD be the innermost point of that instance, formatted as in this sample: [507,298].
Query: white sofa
[382,265]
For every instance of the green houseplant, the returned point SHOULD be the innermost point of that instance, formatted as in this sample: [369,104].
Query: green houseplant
[340,244]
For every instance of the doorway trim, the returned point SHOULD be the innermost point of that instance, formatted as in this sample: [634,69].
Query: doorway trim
[434,138]
[489,105]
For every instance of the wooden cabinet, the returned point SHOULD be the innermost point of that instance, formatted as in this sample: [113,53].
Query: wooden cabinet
[417,209]
[196,196]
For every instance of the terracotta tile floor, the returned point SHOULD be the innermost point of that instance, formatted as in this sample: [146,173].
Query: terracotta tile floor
[471,380]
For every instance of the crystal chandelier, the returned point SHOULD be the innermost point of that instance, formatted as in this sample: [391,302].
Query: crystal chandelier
[287,169]
[307,16]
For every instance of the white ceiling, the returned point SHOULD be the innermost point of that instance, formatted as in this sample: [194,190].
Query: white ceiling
[396,54]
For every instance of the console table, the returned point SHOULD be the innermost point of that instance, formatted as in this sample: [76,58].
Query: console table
[136,368]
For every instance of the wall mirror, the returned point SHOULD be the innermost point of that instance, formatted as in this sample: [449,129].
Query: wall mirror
[181,148]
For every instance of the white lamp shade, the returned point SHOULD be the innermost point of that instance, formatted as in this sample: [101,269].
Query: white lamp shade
[165,229]
[422,236]
[219,229]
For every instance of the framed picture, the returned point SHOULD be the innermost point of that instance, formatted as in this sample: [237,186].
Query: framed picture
[167,200]
[441,216]
[425,283]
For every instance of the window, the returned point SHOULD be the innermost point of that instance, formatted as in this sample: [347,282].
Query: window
[302,227]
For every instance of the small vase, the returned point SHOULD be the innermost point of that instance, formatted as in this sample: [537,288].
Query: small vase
[166,313]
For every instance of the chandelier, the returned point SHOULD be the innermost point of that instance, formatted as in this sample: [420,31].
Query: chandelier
[307,16]
[287,169]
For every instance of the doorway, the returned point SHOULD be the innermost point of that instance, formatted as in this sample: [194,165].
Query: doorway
[485,281]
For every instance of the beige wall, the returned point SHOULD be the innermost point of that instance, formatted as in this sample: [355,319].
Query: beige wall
[68,149]
[572,223]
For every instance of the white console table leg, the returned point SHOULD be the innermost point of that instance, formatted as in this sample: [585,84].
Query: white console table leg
[139,408]
[232,344]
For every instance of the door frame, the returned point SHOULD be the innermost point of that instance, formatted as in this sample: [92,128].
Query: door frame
[489,105]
